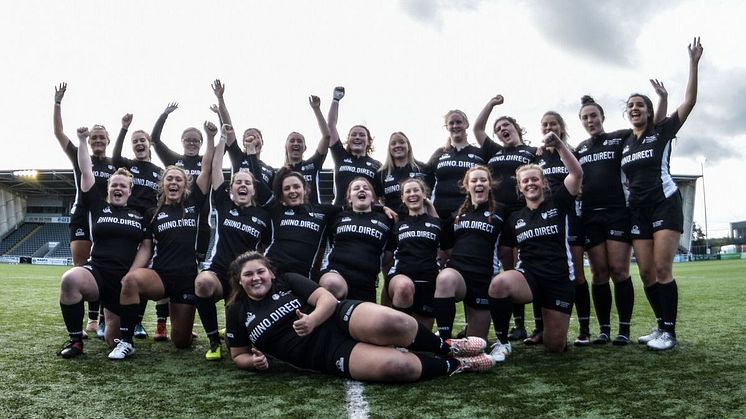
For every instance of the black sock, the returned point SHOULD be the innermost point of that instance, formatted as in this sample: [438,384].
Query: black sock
[208,314]
[161,312]
[128,320]
[93,310]
[653,294]
[669,300]
[436,367]
[624,293]
[538,319]
[445,313]
[583,306]
[500,310]
[141,313]
[602,302]
[519,313]
[101,316]
[426,341]
[72,314]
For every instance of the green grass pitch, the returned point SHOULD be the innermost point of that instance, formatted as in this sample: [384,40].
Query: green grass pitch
[705,376]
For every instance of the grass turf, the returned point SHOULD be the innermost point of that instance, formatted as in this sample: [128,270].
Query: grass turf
[705,376]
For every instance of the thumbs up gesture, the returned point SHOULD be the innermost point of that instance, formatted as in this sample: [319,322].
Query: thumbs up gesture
[260,361]
[304,325]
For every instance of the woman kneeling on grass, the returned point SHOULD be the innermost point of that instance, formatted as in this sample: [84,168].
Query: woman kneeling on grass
[544,272]
[293,319]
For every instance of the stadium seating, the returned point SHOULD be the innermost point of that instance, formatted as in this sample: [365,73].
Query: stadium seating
[16,236]
[52,232]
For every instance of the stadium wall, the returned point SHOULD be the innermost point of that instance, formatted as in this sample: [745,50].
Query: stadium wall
[12,211]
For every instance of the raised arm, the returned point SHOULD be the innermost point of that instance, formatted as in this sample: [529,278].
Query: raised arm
[660,90]
[59,93]
[323,146]
[116,157]
[164,153]
[690,98]
[339,93]
[84,161]
[481,122]
[205,175]
[219,89]
[574,178]
[217,159]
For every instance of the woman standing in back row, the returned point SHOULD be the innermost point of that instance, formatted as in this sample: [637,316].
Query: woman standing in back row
[655,201]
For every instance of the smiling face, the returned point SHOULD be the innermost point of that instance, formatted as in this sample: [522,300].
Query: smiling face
[456,124]
[639,111]
[531,184]
[242,189]
[191,140]
[141,145]
[358,140]
[119,190]
[293,191]
[592,119]
[413,196]
[98,140]
[252,135]
[398,147]
[360,195]
[256,279]
[174,186]
[478,186]
[507,132]
[295,146]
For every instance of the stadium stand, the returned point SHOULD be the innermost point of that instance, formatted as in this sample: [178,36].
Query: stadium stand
[18,235]
[36,244]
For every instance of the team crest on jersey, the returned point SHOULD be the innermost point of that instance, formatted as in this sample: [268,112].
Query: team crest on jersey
[179,163]
[233,212]
[199,164]
[249,318]
[635,230]
[258,221]
[404,227]
[275,297]
[290,212]
[156,175]
[390,178]
[549,214]
[107,210]
[347,160]
[444,156]
[317,215]
[431,225]
[135,170]
[471,155]
[340,363]
[649,139]
[626,149]
[161,215]
[135,216]
[542,163]
[190,210]
[487,213]
[374,221]
[110,167]
[520,223]
[583,149]
[346,219]
[613,141]
[414,175]
[526,152]
[79,232]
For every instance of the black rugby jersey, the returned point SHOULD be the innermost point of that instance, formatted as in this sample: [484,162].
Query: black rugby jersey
[174,230]
[646,162]
[117,233]
[448,168]
[268,324]
[473,240]
[243,161]
[358,240]
[554,169]
[238,229]
[389,184]
[145,177]
[311,169]
[348,167]
[541,234]
[191,164]
[603,182]
[297,234]
[102,168]
[503,162]
[417,241]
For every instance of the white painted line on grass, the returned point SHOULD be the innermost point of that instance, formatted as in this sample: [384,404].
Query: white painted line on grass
[357,406]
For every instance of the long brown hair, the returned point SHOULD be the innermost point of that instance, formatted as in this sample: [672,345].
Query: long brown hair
[389,164]
[162,194]
[234,274]
[467,205]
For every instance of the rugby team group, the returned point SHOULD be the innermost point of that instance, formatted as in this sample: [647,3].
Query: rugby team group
[494,225]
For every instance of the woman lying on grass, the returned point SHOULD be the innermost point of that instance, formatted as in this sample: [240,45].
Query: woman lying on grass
[293,319]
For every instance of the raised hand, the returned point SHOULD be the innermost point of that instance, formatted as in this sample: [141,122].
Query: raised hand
[695,50]
[497,100]
[126,120]
[659,88]
[210,129]
[339,93]
[215,108]
[171,107]
[315,101]
[59,92]
[260,361]
[227,132]
[83,133]
[218,88]
[552,140]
